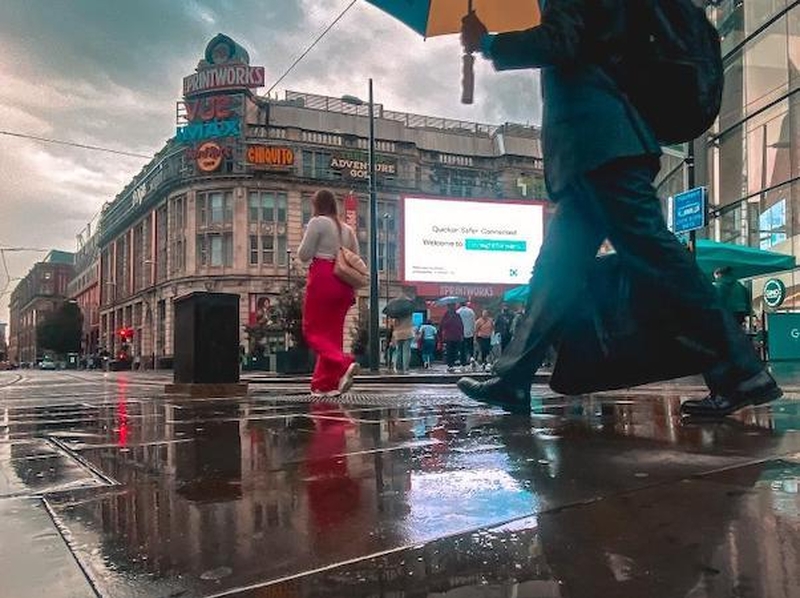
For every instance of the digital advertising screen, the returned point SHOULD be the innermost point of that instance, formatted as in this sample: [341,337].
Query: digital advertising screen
[470,241]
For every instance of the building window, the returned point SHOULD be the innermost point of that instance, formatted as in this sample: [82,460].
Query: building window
[253,250]
[317,165]
[282,255]
[215,208]
[215,250]
[267,249]
[267,206]
[306,207]
[772,225]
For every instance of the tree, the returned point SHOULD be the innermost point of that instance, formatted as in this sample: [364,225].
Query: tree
[61,330]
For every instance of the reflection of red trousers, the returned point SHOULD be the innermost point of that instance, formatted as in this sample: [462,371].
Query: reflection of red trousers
[326,304]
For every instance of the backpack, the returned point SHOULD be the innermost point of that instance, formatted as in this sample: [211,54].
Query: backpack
[669,65]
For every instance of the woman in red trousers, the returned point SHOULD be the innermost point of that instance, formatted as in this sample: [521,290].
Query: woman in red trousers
[327,298]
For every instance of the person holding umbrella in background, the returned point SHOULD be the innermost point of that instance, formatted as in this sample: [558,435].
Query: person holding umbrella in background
[401,310]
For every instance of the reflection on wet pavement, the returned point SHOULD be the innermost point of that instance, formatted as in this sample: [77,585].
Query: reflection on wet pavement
[407,492]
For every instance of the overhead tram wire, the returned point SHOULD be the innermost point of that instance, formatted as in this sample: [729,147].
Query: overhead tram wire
[311,46]
[95,148]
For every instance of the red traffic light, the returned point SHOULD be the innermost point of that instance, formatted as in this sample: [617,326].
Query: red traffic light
[125,333]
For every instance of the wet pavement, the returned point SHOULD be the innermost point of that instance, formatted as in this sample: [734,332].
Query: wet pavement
[109,488]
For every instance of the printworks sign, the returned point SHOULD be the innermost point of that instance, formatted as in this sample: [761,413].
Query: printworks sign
[267,156]
[226,66]
[355,165]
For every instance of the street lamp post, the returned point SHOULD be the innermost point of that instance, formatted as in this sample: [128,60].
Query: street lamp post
[386,218]
[374,327]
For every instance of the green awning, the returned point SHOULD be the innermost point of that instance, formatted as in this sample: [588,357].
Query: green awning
[517,294]
[744,261]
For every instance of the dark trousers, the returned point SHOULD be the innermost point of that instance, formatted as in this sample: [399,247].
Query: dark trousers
[485,346]
[467,350]
[451,349]
[618,202]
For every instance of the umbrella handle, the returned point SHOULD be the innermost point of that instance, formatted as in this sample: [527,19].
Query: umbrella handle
[467,78]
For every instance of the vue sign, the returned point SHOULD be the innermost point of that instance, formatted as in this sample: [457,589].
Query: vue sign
[207,109]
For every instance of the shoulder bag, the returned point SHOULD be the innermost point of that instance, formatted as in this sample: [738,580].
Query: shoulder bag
[350,268]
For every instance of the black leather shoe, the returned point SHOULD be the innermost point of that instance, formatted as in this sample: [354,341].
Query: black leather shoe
[495,391]
[756,390]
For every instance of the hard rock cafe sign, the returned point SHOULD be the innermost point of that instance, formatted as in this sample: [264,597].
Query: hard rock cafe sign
[209,156]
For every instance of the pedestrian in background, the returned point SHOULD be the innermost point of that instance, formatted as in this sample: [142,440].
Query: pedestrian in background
[403,332]
[327,297]
[734,296]
[502,326]
[452,335]
[601,157]
[427,337]
[484,329]
[467,315]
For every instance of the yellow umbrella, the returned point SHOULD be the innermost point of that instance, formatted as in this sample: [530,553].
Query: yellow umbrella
[443,17]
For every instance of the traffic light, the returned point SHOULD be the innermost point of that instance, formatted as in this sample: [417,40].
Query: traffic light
[125,334]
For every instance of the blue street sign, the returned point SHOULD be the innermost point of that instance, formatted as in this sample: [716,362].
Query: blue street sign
[689,210]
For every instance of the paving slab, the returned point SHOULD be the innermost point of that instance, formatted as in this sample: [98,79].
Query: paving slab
[34,559]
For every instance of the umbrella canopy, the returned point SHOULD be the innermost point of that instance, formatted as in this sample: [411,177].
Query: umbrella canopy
[745,262]
[517,294]
[441,17]
[399,308]
[450,299]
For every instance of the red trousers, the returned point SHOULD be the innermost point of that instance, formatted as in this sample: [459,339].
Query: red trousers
[326,304]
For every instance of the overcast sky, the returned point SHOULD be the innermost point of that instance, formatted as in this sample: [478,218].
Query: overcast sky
[108,73]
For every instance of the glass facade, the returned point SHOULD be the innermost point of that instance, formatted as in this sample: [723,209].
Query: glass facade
[753,160]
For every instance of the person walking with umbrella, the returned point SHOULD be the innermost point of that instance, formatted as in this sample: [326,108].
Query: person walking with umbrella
[400,310]
[601,157]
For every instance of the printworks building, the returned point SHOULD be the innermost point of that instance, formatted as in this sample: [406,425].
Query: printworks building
[222,205]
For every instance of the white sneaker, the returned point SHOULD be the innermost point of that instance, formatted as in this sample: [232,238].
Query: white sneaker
[346,381]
